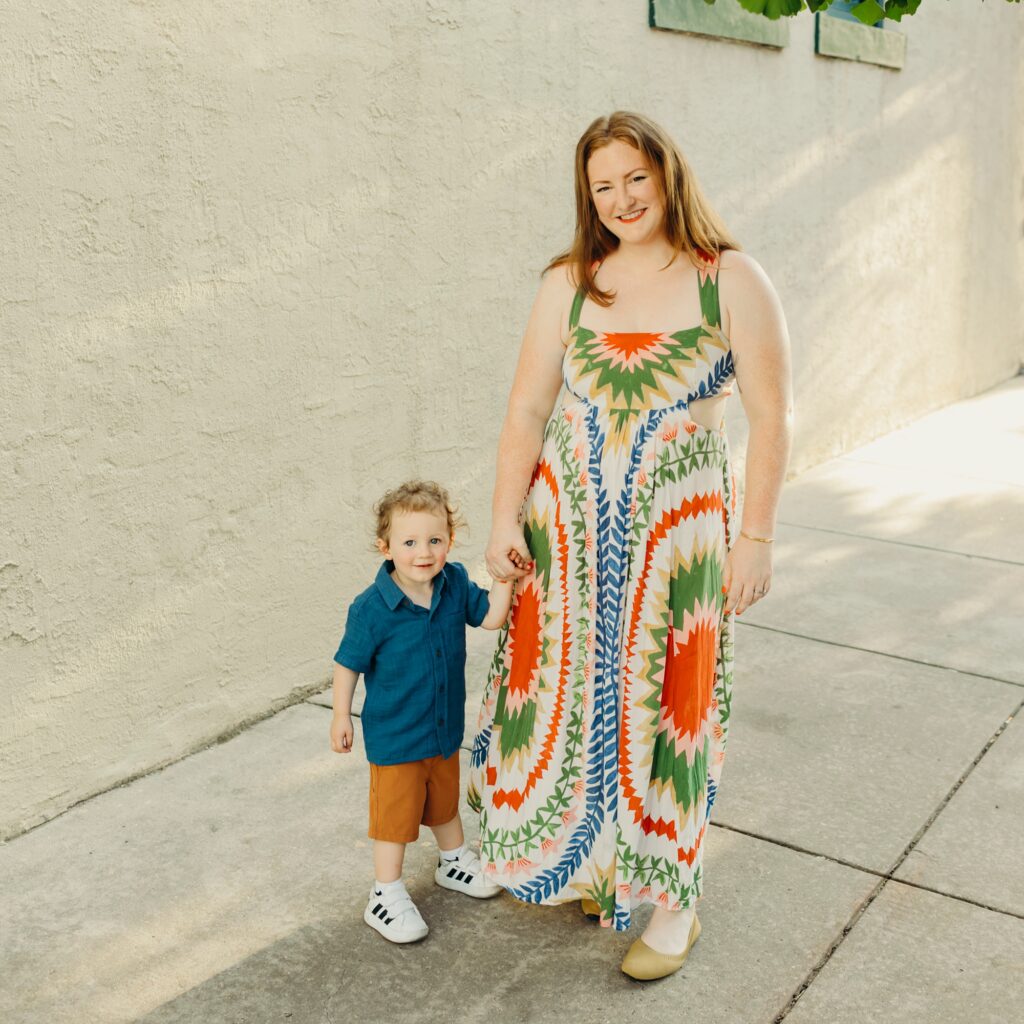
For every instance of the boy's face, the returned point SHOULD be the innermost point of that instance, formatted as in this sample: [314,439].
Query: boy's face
[418,545]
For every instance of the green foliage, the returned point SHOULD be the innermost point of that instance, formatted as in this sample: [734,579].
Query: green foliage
[868,11]
[773,9]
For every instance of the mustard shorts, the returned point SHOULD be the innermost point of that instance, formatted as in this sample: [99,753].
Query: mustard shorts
[405,796]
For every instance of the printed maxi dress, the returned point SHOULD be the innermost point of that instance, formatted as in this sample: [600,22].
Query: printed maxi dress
[603,726]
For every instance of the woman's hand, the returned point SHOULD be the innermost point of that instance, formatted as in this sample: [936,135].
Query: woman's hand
[507,556]
[748,574]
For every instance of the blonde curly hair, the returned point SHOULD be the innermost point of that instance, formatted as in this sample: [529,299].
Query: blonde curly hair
[416,496]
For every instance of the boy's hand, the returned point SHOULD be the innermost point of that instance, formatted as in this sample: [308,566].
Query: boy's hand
[507,554]
[519,561]
[341,734]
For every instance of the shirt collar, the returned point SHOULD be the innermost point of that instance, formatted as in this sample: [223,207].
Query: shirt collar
[393,593]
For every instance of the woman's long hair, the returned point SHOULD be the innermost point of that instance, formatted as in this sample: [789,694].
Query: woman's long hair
[691,225]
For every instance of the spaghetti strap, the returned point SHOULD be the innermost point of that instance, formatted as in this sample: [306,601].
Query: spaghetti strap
[577,305]
[707,282]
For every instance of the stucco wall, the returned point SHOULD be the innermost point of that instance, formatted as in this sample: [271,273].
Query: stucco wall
[261,260]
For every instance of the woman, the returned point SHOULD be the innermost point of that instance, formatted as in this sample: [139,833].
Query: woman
[604,722]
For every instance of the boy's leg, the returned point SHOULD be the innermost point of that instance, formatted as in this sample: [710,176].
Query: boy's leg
[395,810]
[387,860]
[449,836]
[458,868]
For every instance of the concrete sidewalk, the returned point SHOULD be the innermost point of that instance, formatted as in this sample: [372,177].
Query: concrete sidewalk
[864,864]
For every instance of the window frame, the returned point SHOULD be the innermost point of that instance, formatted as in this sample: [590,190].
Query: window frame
[839,35]
[722,20]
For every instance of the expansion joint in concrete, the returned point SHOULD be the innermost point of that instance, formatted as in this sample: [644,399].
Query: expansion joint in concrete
[886,875]
[882,654]
[830,952]
[297,696]
[949,796]
[889,875]
[899,543]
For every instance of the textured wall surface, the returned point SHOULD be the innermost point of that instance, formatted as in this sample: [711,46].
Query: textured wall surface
[261,260]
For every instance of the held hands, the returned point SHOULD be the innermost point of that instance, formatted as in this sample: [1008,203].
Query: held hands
[507,556]
[748,574]
[341,734]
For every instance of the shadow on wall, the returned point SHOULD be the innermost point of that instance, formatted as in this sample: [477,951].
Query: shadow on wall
[873,246]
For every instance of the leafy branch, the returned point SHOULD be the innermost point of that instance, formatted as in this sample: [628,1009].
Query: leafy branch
[868,11]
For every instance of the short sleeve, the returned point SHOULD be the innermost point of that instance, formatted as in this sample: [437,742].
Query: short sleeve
[478,603]
[357,646]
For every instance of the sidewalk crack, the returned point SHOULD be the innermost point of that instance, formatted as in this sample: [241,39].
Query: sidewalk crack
[881,654]
[888,877]
[900,543]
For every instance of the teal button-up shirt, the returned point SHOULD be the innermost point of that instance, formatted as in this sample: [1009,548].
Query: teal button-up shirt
[413,661]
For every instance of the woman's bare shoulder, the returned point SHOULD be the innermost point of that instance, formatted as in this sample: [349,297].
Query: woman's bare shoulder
[743,282]
[752,312]
[559,280]
[554,299]
[740,268]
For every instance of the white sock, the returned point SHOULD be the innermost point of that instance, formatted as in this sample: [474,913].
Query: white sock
[386,888]
[453,854]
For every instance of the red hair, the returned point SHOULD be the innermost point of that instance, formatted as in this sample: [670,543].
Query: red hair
[691,225]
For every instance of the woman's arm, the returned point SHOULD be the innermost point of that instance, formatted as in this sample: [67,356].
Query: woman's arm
[760,348]
[535,387]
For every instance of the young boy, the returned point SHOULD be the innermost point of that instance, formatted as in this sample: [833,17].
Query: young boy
[406,634]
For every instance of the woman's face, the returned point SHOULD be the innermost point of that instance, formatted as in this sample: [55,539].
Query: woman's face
[626,193]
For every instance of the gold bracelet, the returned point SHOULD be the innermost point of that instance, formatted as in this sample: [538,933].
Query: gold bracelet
[760,540]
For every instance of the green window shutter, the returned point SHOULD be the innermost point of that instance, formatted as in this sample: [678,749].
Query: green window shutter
[724,20]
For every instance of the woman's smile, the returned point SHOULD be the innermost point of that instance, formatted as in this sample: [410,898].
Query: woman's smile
[633,216]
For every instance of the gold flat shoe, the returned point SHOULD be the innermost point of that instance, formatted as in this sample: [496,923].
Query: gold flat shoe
[591,908]
[646,964]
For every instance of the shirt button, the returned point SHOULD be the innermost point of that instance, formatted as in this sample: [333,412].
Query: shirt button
[437,651]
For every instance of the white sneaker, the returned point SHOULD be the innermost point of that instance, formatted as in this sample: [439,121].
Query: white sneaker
[395,916]
[466,874]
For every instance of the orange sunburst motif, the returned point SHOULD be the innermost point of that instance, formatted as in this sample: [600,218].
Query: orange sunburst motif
[525,647]
[628,351]
[689,682]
